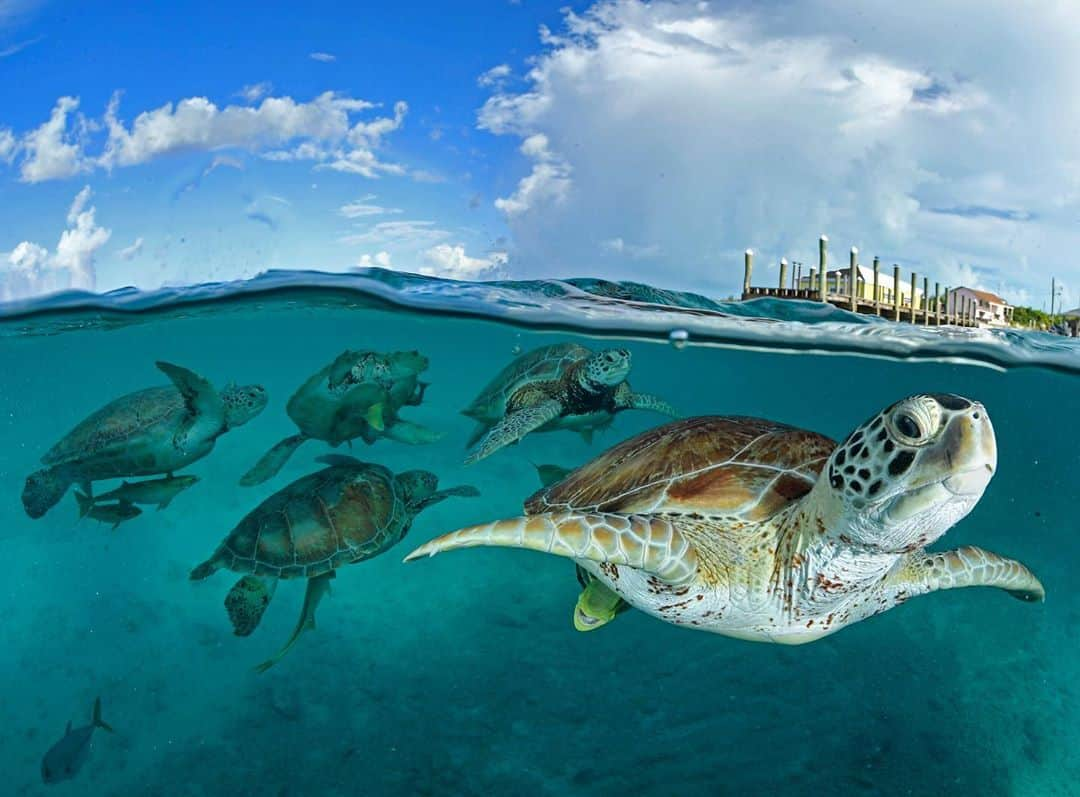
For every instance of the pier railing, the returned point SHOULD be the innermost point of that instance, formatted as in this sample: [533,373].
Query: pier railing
[848,289]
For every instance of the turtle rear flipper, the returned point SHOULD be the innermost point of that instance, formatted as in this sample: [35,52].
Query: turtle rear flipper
[272,461]
[43,490]
[317,587]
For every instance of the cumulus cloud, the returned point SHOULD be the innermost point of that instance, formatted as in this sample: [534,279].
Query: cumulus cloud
[326,58]
[31,269]
[377,260]
[325,131]
[701,129]
[446,260]
[133,251]
[8,143]
[548,183]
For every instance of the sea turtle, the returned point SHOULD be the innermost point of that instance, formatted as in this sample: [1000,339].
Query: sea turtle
[562,386]
[358,395]
[347,512]
[762,531]
[157,430]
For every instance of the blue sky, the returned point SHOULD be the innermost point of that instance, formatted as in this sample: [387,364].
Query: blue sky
[486,139]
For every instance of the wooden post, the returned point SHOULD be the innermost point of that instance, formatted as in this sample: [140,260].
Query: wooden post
[823,267]
[896,292]
[748,261]
[950,299]
[854,280]
[783,272]
[937,304]
[914,281]
[926,301]
[877,281]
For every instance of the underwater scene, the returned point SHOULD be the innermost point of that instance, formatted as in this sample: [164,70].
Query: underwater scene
[747,527]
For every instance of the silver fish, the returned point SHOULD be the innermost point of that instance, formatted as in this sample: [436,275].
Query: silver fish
[107,513]
[67,756]
[157,492]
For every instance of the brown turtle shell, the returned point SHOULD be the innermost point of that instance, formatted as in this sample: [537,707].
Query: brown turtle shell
[338,515]
[109,431]
[712,465]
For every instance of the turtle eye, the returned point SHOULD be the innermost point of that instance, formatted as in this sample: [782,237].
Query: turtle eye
[915,421]
[907,426]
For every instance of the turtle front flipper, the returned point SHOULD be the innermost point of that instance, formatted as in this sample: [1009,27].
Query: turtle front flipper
[647,401]
[317,587]
[514,427]
[966,567]
[464,491]
[597,605]
[246,603]
[412,434]
[204,404]
[272,461]
[651,544]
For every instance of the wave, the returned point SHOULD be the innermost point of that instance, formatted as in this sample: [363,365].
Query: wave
[593,307]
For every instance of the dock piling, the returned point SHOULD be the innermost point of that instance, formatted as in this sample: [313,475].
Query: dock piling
[748,268]
[823,267]
[853,279]
[783,272]
[896,292]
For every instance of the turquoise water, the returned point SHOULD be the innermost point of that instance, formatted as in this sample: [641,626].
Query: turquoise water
[464,674]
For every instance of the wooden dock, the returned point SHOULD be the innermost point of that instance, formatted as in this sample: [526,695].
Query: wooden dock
[850,290]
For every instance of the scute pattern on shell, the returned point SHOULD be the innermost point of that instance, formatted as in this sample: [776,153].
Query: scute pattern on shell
[714,465]
[114,425]
[338,515]
[544,364]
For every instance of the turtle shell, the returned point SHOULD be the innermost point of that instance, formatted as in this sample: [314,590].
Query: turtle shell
[114,429]
[341,514]
[544,364]
[714,465]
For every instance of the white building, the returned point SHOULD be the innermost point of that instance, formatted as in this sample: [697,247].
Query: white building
[990,309]
[839,280]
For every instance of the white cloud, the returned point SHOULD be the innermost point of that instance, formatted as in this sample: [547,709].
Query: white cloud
[379,260]
[133,251]
[495,76]
[8,145]
[253,92]
[51,152]
[398,232]
[362,207]
[703,129]
[549,181]
[620,247]
[324,130]
[446,260]
[326,58]
[32,269]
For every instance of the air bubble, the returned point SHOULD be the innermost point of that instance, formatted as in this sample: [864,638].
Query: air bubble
[679,338]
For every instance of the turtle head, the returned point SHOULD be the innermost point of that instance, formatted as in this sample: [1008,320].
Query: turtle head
[417,486]
[909,474]
[607,368]
[406,363]
[242,403]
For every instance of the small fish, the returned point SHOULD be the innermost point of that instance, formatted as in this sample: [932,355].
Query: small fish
[107,513]
[67,756]
[550,474]
[157,492]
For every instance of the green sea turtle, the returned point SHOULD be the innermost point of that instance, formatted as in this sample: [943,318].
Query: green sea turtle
[357,396]
[347,512]
[153,431]
[562,386]
[761,531]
